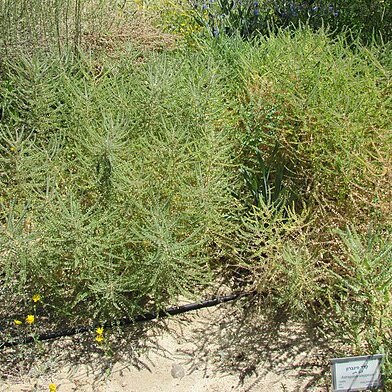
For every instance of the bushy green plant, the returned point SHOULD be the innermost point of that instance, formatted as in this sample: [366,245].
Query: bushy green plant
[368,19]
[256,249]
[314,125]
[224,17]
[113,188]
[260,184]
[325,108]
[127,182]
[360,295]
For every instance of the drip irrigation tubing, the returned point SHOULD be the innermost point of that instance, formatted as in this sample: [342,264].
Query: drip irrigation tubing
[148,316]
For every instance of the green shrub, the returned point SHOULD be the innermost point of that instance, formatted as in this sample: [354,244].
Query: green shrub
[127,182]
[324,110]
[360,295]
[112,184]
[314,148]
[248,18]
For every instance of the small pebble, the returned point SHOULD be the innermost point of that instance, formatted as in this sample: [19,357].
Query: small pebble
[177,371]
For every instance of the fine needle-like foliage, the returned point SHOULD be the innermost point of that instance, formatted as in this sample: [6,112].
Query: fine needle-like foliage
[113,185]
[134,175]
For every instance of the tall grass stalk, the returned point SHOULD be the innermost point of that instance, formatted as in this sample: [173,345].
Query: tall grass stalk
[54,24]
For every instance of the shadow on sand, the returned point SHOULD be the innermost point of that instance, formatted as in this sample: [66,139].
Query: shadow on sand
[237,340]
[229,339]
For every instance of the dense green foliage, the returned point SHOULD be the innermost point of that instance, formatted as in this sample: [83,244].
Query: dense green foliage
[367,19]
[128,180]
[113,180]
[315,148]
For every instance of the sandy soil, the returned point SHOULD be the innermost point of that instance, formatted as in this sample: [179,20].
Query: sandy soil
[216,349]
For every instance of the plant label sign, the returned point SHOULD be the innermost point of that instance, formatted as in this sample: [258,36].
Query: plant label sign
[356,373]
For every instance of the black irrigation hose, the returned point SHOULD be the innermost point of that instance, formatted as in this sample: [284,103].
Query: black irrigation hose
[127,321]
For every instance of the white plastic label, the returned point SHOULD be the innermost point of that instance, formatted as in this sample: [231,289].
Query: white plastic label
[356,373]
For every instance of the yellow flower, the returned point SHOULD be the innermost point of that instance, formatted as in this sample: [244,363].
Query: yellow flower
[36,298]
[99,331]
[99,338]
[30,319]
[52,387]
[17,322]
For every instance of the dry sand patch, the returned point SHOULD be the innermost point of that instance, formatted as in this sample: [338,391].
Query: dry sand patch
[214,350]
